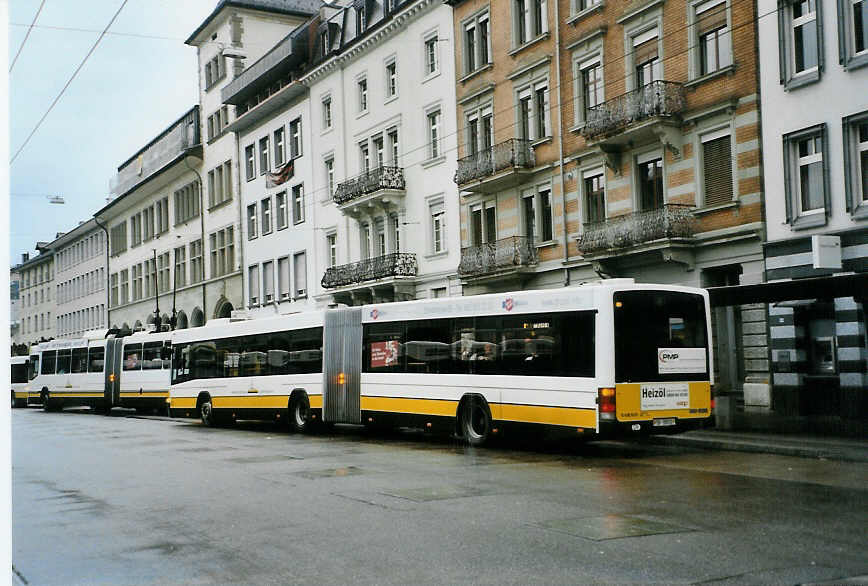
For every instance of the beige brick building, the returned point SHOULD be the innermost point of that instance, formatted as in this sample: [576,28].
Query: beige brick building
[623,142]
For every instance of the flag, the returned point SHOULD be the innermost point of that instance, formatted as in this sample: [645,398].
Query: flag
[283,175]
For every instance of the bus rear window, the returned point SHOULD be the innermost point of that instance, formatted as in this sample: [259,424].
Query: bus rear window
[660,336]
[19,373]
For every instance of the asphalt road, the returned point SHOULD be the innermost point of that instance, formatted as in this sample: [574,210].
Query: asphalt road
[131,500]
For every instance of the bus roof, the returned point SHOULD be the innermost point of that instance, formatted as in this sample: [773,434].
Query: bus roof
[63,344]
[19,359]
[225,328]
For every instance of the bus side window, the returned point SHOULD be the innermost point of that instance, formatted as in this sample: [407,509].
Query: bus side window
[428,347]
[133,357]
[151,359]
[49,361]
[79,360]
[95,359]
[64,360]
[33,371]
[382,347]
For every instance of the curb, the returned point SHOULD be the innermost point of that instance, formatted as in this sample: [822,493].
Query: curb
[817,452]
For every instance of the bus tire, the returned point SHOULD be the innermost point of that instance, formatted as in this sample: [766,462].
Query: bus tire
[14,402]
[475,421]
[299,413]
[47,404]
[206,412]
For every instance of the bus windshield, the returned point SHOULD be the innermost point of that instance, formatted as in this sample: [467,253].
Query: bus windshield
[660,336]
[19,373]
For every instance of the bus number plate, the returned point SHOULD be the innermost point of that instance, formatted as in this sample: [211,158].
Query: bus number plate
[665,422]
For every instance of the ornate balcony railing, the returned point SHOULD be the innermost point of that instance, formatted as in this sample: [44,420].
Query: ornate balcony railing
[507,253]
[670,221]
[369,182]
[514,152]
[657,99]
[397,264]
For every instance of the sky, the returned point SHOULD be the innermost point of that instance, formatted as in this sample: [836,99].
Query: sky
[129,90]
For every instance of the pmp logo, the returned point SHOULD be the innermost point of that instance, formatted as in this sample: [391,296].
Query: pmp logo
[665,357]
[508,304]
[374,314]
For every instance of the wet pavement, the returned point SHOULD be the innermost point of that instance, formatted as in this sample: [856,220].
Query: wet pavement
[133,500]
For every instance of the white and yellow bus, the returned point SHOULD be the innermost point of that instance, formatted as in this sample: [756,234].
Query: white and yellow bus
[104,370]
[20,374]
[589,358]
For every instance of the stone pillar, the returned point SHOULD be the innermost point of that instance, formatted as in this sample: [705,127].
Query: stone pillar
[788,360]
[852,356]
[757,390]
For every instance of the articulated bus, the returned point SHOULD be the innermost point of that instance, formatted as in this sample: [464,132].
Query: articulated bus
[104,370]
[589,359]
[20,367]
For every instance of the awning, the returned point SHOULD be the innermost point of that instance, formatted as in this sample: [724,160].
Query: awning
[829,287]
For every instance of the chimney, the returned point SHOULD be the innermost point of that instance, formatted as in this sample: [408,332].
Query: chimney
[25,256]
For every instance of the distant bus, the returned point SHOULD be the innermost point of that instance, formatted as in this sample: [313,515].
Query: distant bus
[104,370]
[20,367]
[591,359]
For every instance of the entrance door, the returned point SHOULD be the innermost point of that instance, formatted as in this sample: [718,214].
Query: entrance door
[112,372]
[343,347]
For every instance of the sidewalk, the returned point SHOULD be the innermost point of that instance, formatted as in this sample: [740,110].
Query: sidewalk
[803,446]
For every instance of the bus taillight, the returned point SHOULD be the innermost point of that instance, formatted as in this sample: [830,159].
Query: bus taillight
[606,400]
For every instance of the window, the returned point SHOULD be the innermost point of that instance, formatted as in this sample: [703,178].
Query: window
[650,171]
[379,151]
[856,162]
[220,184]
[805,178]
[330,175]
[265,209]
[162,215]
[223,252]
[483,223]
[197,269]
[714,38]
[361,18]
[299,264]
[590,77]
[150,278]
[533,112]
[283,278]
[125,286]
[540,105]
[395,224]
[327,112]
[118,240]
[537,209]
[393,147]
[138,292]
[647,64]
[853,32]
[364,157]
[332,249]
[280,210]
[215,69]
[187,203]
[531,20]
[263,156]
[800,41]
[298,204]
[295,138]
[250,163]
[434,134]
[114,289]
[135,229]
[480,131]
[391,79]
[582,5]
[437,211]
[95,359]
[431,53]
[253,285]
[279,152]
[148,223]
[251,221]
[163,284]
[180,266]
[362,88]
[717,167]
[267,282]
[595,195]
[477,49]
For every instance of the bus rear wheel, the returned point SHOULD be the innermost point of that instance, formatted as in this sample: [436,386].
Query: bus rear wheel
[206,413]
[47,404]
[475,421]
[299,413]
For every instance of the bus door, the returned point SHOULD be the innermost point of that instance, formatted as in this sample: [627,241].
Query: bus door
[342,365]
[113,355]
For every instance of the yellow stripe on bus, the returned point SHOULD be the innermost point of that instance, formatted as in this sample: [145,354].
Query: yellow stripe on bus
[418,406]
[183,402]
[567,416]
[145,394]
[250,402]
[65,394]
[21,394]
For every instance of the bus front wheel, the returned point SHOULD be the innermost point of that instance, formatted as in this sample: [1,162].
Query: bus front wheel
[475,421]
[206,412]
[299,413]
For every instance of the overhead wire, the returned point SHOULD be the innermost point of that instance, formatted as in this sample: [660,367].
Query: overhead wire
[26,36]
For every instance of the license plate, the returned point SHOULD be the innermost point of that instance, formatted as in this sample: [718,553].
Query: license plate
[665,422]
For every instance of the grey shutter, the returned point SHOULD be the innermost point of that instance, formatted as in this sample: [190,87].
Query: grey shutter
[827,196]
[788,179]
[782,44]
[842,33]
[849,187]
[821,57]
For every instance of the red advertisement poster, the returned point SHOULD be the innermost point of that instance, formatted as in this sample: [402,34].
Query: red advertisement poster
[384,353]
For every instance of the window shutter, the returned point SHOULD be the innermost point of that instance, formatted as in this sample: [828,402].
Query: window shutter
[843,9]
[849,187]
[821,59]
[646,51]
[710,16]
[827,196]
[717,164]
[788,179]
[783,6]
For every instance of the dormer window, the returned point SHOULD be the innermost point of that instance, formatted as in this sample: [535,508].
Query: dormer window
[362,20]
[324,42]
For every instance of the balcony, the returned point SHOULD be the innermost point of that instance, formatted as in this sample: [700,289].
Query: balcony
[382,186]
[170,146]
[668,229]
[389,266]
[508,257]
[649,113]
[493,169]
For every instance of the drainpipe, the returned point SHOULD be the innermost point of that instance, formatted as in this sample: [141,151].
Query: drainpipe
[106,281]
[561,140]
[202,230]
[241,238]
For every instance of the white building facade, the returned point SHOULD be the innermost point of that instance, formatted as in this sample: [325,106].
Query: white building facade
[37,302]
[80,290]
[815,152]
[382,101]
